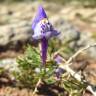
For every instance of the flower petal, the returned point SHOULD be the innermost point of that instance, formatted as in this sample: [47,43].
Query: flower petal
[42,27]
[39,16]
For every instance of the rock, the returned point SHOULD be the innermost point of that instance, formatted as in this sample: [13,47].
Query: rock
[69,34]
[15,23]
[73,36]
[68,31]
[14,35]
[8,64]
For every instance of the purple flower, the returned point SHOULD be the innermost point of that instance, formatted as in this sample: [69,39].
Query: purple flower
[42,27]
[43,30]
[58,59]
[59,72]
[39,16]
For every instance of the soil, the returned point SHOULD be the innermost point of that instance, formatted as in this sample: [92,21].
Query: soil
[9,90]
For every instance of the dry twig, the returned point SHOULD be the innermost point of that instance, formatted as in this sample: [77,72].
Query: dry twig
[69,62]
[35,90]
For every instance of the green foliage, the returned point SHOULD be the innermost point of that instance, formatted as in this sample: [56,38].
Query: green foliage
[94,35]
[1,70]
[10,0]
[14,0]
[56,45]
[26,75]
[86,3]
[73,86]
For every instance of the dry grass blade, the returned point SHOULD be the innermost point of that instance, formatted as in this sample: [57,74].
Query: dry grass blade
[69,62]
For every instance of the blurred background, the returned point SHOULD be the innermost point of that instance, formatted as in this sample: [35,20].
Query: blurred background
[75,19]
[68,16]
